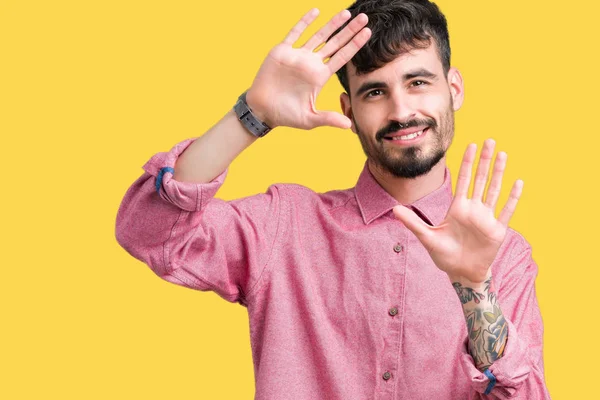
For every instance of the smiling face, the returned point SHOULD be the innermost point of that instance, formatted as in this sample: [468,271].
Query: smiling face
[403,112]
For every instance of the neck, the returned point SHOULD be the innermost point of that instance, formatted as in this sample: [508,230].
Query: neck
[405,190]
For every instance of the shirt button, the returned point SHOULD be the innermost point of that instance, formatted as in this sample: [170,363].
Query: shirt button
[393,311]
[398,248]
[386,375]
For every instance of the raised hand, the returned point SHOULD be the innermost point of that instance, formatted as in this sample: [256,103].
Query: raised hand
[288,82]
[465,244]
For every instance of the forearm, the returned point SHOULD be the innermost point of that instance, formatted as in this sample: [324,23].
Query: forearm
[486,326]
[210,154]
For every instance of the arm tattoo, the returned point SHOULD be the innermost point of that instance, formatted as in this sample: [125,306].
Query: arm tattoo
[486,326]
[466,294]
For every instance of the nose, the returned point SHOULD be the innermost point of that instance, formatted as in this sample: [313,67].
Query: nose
[401,108]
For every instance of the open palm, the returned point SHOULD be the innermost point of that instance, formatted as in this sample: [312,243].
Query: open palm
[465,244]
[289,80]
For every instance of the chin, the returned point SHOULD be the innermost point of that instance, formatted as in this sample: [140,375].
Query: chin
[414,168]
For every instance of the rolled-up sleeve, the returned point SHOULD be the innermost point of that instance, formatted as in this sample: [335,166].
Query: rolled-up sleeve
[190,238]
[519,373]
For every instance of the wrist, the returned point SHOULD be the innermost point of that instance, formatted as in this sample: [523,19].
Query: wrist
[469,283]
[259,108]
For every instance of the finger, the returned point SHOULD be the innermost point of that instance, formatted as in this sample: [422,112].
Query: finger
[464,174]
[483,169]
[331,118]
[346,53]
[493,192]
[415,224]
[511,203]
[299,28]
[323,33]
[344,36]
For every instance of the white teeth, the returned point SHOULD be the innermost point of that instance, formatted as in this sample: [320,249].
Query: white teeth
[409,136]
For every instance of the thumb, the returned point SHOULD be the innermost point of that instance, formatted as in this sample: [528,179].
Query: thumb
[412,221]
[334,119]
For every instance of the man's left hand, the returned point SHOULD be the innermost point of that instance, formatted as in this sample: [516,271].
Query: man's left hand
[465,244]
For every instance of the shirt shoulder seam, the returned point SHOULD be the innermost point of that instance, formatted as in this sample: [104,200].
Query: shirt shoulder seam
[252,291]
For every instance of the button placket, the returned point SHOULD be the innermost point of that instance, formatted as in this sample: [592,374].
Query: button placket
[389,362]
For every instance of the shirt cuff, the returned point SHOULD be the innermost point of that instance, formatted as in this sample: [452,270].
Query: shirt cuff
[185,195]
[506,375]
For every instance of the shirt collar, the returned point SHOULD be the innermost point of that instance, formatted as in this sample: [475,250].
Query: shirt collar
[374,201]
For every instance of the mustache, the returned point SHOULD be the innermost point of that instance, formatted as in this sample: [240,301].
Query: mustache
[395,126]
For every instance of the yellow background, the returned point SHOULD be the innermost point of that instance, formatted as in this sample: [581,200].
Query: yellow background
[90,90]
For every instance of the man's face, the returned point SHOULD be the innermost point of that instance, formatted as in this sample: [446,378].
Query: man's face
[403,112]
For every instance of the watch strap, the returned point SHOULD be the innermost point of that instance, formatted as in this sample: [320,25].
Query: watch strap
[248,119]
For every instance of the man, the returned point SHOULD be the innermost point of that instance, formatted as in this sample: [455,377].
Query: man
[394,289]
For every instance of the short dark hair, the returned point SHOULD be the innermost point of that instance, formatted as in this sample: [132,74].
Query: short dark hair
[397,27]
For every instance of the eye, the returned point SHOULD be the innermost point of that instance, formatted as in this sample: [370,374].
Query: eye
[418,83]
[373,93]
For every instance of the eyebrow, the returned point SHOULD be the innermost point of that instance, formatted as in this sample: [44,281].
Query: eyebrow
[418,73]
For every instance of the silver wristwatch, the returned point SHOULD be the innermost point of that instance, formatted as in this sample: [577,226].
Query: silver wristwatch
[248,119]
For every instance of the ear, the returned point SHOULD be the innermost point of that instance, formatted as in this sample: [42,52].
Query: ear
[457,89]
[347,109]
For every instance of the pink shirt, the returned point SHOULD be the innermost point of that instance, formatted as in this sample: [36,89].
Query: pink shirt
[343,301]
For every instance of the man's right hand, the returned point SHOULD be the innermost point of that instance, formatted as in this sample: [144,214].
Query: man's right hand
[286,86]
[282,94]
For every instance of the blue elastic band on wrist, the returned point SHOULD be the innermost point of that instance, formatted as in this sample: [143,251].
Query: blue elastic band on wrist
[159,177]
[492,379]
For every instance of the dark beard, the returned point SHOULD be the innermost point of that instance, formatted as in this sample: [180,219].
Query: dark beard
[409,164]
